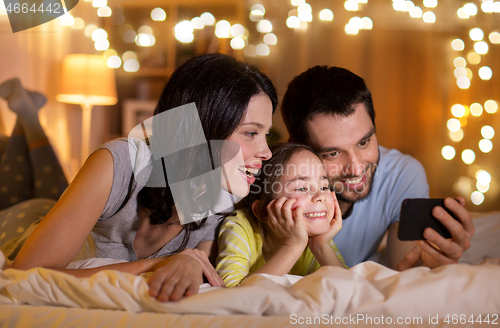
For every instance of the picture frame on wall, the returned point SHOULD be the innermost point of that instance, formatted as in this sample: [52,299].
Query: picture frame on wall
[136,111]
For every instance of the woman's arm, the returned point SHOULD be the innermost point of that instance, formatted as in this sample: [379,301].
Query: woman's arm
[59,236]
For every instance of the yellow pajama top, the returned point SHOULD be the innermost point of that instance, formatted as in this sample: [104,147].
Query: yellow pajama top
[240,251]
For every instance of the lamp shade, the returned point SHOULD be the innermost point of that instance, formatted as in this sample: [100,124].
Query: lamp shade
[87,79]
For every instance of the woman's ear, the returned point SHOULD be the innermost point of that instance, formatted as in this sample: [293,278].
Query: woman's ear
[256,209]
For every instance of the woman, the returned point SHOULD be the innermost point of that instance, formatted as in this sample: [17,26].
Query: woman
[235,102]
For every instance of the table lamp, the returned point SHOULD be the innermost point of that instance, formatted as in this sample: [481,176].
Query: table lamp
[87,81]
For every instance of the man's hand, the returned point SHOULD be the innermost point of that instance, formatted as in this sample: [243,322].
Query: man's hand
[436,250]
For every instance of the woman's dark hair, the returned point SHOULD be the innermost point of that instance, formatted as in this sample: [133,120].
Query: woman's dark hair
[264,187]
[221,88]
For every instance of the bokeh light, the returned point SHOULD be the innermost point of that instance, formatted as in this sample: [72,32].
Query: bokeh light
[485,145]
[457,44]
[487,132]
[468,156]
[448,152]
[490,106]
[158,14]
[477,198]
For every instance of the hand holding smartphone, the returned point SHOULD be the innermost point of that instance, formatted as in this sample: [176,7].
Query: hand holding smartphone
[416,215]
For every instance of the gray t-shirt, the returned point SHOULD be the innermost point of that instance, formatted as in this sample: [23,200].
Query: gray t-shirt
[114,233]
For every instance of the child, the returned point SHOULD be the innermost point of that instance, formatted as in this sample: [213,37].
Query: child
[286,223]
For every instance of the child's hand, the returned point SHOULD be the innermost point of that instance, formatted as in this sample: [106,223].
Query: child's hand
[288,225]
[335,226]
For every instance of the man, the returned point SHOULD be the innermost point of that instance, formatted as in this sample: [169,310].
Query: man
[331,109]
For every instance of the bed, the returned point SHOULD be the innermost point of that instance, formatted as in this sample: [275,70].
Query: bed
[367,294]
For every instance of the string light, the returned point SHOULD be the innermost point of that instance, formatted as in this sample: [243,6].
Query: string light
[104,12]
[490,106]
[468,156]
[476,34]
[457,44]
[326,15]
[448,152]
[481,47]
[477,198]
[485,145]
[463,82]
[494,37]
[264,26]
[207,19]
[429,17]
[114,62]
[293,22]
[485,73]
[470,9]
[476,109]
[262,49]
[158,14]
[270,39]
[237,43]
[457,135]
[131,65]
[416,12]
[473,58]
[487,132]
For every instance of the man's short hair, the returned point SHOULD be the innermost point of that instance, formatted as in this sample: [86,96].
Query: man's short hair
[322,89]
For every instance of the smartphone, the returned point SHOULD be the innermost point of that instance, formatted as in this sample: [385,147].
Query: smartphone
[416,215]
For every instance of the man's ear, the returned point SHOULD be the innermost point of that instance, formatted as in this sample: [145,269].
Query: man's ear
[256,209]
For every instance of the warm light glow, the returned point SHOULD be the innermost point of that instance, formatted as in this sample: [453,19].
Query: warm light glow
[131,65]
[256,15]
[79,24]
[470,9]
[264,26]
[207,19]
[476,34]
[448,152]
[469,73]
[349,29]
[461,13]
[145,40]
[457,135]
[351,5]
[184,31]
[258,7]
[485,145]
[473,58]
[430,3]
[476,109]
[409,5]
[101,45]
[399,5]
[496,6]
[250,51]
[468,156]
[237,43]
[197,23]
[459,62]
[453,124]
[326,15]
[293,22]
[356,23]
[104,12]
[114,62]
[457,45]
[481,47]
[129,55]
[304,7]
[490,106]
[483,177]
[488,6]
[416,12]
[108,53]
[482,187]
[494,37]
[485,73]
[477,198]
[129,36]
[460,71]
[99,3]
[458,110]
[270,39]
[429,17]
[487,132]
[99,34]
[262,49]
[297,2]
[367,23]
[463,82]
[237,30]
[144,29]
[158,14]
[67,20]
[305,16]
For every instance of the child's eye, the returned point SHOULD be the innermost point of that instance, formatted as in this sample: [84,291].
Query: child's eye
[330,155]
[302,189]
[325,188]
